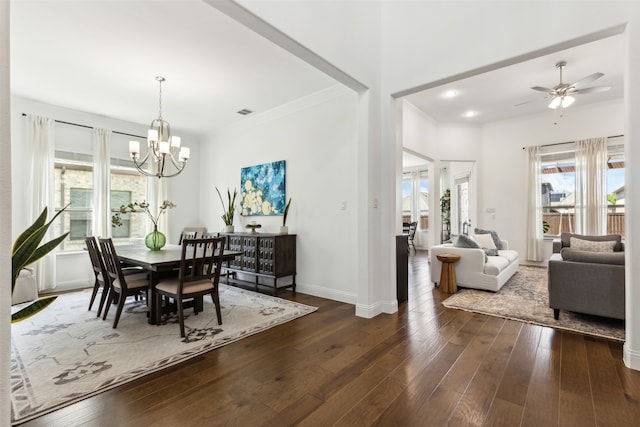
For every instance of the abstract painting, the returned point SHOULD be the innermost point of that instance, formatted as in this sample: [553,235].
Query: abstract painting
[262,189]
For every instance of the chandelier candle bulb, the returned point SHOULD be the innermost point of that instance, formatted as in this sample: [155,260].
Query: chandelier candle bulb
[185,152]
[175,142]
[164,147]
[152,135]
[134,148]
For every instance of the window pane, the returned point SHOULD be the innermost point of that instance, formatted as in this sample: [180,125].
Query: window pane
[74,187]
[423,201]
[128,186]
[406,197]
[615,195]
[558,178]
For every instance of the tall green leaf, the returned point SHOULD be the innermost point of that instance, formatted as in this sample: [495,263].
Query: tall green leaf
[31,309]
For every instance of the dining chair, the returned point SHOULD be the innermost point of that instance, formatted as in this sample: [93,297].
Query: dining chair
[99,272]
[187,235]
[200,266]
[412,234]
[121,284]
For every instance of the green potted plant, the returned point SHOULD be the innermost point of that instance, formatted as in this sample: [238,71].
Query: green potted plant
[284,229]
[27,250]
[229,211]
[154,240]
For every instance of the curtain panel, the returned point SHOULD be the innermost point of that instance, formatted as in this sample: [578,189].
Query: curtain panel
[535,238]
[591,190]
[101,183]
[40,146]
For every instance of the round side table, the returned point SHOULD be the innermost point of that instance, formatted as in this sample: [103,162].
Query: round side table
[448,275]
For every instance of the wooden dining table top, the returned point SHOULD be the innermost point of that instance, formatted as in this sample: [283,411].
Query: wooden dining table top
[167,257]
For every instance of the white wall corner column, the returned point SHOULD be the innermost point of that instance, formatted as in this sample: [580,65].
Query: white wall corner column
[5,218]
[631,354]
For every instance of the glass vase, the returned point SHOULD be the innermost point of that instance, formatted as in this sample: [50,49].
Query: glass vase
[155,240]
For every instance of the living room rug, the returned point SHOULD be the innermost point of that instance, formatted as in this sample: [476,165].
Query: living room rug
[525,298]
[65,353]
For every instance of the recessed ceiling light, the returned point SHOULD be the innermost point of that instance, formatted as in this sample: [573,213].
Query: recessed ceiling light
[451,93]
[470,114]
[244,111]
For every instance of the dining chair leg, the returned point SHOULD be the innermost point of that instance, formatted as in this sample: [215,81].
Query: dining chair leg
[216,301]
[103,298]
[119,310]
[96,286]
[181,316]
[109,302]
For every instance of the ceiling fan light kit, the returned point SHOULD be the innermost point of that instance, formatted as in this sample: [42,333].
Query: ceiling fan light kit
[162,147]
[563,93]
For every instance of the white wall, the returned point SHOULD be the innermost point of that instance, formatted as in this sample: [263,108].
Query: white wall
[316,137]
[73,269]
[5,220]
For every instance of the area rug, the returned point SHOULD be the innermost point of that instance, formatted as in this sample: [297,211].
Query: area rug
[65,353]
[525,298]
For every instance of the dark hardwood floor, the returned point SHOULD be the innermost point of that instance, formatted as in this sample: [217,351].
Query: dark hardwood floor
[422,366]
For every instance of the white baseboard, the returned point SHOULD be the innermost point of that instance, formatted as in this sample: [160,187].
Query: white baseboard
[372,310]
[631,358]
[331,294]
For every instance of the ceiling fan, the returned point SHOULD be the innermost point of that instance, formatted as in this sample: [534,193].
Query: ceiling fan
[562,93]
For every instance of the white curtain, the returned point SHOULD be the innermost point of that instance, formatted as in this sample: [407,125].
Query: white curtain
[40,149]
[535,238]
[591,190]
[101,183]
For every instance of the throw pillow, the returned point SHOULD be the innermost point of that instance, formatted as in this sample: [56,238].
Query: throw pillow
[494,236]
[591,245]
[465,242]
[570,254]
[485,241]
[490,252]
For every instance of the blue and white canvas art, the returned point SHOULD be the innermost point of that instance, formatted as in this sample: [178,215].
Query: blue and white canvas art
[262,189]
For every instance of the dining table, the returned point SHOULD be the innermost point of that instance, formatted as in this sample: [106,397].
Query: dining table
[157,263]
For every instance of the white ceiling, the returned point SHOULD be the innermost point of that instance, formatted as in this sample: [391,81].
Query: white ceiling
[102,57]
[506,92]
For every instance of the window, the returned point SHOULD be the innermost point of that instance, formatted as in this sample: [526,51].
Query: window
[74,187]
[415,198]
[558,184]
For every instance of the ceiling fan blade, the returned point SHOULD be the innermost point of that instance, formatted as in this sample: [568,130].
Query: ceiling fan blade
[587,80]
[593,89]
[542,89]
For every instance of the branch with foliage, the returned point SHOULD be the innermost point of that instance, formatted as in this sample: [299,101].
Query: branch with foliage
[227,217]
[116,220]
[27,250]
[286,213]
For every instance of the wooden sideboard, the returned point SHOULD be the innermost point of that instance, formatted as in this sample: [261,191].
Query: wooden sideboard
[268,256]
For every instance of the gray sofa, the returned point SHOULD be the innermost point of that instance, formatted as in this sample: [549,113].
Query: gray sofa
[584,281]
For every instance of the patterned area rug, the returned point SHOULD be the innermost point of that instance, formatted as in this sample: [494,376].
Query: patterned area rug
[65,353]
[525,298]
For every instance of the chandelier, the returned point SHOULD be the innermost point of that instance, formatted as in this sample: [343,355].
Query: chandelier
[163,148]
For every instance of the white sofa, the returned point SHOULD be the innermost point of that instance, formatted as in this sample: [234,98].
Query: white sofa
[472,271]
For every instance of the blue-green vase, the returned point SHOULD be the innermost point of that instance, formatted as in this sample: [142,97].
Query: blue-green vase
[155,240]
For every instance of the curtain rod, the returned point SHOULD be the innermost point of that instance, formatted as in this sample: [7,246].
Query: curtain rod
[91,127]
[571,142]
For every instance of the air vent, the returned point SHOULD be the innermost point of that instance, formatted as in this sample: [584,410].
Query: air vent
[245,111]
